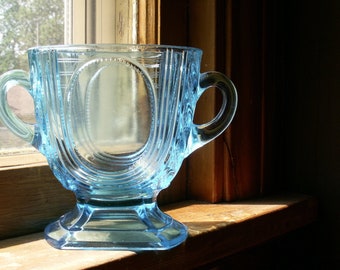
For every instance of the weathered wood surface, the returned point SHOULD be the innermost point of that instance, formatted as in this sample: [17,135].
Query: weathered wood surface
[215,231]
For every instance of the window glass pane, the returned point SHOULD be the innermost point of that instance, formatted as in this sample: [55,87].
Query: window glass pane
[25,24]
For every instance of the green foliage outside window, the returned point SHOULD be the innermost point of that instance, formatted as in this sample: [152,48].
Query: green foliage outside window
[25,24]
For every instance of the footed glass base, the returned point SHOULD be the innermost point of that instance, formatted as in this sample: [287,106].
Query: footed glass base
[116,226]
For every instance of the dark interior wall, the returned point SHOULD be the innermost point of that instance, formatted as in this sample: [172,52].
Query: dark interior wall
[309,32]
[303,50]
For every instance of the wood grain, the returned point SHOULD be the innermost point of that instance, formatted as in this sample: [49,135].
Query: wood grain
[31,197]
[204,180]
[215,231]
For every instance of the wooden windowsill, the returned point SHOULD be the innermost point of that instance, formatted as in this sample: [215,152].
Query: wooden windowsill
[22,160]
[215,231]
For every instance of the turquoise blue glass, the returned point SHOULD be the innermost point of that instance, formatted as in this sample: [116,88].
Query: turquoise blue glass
[115,123]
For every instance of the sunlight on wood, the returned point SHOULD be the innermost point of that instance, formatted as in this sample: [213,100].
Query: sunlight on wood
[215,231]
[21,161]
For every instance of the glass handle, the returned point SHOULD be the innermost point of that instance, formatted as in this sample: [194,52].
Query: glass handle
[7,116]
[204,133]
